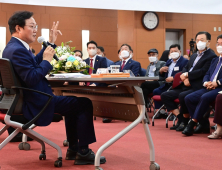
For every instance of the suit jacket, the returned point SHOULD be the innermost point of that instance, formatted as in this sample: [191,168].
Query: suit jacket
[158,65]
[196,75]
[143,72]
[210,72]
[132,65]
[109,62]
[100,62]
[181,63]
[31,72]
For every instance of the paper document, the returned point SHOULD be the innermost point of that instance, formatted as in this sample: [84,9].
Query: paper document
[70,75]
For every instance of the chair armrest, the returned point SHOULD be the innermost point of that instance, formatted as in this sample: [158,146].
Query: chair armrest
[27,125]
[170,88]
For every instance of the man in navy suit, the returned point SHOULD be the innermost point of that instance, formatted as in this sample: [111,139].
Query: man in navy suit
[198,102]
[31,71]
[101,53]
[192,78]
[174,64]
[94,61]
[126,63]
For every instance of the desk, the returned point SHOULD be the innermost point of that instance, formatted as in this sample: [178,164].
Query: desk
[124,102]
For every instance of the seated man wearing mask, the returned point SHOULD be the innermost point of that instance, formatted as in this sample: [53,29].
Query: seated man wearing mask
[101,53]
[94,61]
[198,102]
[126,63]
[192,78]
[152,71]
[174,64]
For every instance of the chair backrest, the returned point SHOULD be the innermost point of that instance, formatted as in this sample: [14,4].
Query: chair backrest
[177,81]
[11,99]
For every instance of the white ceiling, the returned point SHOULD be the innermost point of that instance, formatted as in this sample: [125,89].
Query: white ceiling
[177,6]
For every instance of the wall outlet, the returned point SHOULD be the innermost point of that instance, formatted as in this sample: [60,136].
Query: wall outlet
[215,28]
[219,28]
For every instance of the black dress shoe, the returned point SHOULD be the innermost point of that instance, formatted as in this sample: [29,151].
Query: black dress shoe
[18,138]
[202,129]
[70,154]
[105,120]
[88,159]
[172,117]
[188,131]
[176,126]
[181,127]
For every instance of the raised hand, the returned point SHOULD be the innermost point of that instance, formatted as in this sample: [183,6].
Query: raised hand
[54,32]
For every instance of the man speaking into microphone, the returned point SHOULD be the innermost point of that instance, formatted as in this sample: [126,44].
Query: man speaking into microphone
[31,71]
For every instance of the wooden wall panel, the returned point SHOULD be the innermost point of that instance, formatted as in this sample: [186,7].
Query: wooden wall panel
[102,24]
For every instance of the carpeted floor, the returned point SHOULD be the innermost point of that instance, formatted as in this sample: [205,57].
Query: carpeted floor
[173,150]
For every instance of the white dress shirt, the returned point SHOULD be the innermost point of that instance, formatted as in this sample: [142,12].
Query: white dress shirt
[171,67]
[125,60]
[94,58]
[215,77]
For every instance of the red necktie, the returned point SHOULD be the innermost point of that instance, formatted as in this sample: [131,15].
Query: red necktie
[91,65]
[122,65]
[90,70]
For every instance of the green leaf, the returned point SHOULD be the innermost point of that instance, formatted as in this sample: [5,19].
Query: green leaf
[62,44]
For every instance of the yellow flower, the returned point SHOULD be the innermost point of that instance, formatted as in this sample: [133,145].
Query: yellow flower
[56,66]
[68,64]
[76,63]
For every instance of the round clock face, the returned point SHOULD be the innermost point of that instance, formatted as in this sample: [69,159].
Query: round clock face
[150,20]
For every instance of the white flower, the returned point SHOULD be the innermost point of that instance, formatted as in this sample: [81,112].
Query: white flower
[78,58]
[53,62]
[64,48]
[67,54]
[63,57]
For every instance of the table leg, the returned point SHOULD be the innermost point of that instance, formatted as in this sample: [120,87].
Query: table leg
[117,137]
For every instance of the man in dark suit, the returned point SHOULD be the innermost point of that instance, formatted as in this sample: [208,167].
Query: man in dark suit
[153,70]
[198,102]
[192,78]
[94,61]
[126,63]
[174,65]
[101,53]
[31,71]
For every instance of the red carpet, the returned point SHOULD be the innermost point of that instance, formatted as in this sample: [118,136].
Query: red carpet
[173,150]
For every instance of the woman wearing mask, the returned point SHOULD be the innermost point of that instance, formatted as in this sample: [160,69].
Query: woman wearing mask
[152,71]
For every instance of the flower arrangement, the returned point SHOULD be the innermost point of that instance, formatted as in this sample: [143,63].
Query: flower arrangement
[68,62]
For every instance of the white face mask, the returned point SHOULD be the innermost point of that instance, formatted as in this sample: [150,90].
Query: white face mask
[120,57]
[152,59]
[124,54]
[201,45]
[100,55]
[174,55]
[92,52]
[219,49]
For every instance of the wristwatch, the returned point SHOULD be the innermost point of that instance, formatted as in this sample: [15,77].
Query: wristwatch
[185,74]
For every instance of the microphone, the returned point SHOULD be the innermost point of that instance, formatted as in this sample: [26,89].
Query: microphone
[41,40]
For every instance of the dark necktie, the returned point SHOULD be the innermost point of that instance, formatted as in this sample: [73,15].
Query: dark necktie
[123,65]
[216,69]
